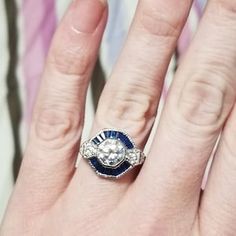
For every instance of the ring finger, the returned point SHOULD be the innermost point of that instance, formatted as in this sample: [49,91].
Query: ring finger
[130,98]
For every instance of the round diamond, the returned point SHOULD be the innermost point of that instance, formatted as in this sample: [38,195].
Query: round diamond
[111,152]
[133,156]
[88,150]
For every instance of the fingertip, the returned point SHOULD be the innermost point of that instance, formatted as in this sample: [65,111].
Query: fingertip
[87,14]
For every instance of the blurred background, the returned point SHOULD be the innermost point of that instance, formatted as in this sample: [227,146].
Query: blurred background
[27,27]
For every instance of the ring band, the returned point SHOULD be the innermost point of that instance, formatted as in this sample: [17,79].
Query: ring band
[111,153]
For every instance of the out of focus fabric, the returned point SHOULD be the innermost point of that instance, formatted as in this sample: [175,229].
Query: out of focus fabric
[27,28]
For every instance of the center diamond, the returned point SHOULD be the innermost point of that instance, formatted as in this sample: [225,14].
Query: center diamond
[111,152]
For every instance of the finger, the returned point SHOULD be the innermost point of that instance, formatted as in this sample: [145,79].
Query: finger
[130,98]
[198,104]
[218,204]
[58,116]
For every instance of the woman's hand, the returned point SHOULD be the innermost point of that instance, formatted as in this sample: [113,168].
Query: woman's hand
[52,198]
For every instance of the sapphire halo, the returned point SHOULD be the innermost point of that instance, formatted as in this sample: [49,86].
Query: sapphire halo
[111,153]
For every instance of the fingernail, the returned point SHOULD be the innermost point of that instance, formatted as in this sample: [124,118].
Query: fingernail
[87,14]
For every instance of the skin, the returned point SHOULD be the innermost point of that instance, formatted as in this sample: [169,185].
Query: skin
[51,197]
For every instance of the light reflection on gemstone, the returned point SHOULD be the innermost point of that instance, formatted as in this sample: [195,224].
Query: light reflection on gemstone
[111,152]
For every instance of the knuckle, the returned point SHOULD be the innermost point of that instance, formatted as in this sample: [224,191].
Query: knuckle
[206,99]
[70,61]
[55,128]
[159,24]
[135,112]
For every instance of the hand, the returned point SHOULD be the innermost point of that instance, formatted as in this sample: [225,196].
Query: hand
[52,198]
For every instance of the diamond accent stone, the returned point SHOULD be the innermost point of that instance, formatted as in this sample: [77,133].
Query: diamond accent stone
[88,150]
[135,156]
[111,152]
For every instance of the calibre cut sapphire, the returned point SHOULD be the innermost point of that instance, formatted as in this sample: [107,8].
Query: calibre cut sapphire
[109,172]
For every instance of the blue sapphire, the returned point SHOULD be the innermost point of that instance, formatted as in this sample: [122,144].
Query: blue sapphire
[113,134]
[109,171]
[125,140]
[107,133]
[96,141]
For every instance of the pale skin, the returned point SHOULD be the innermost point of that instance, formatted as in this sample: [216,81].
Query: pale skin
[51,197]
